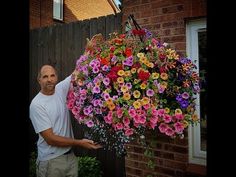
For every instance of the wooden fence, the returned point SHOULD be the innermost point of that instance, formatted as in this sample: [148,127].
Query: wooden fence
[62,45]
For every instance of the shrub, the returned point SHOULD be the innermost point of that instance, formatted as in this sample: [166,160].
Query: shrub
[89,167]
[32,164]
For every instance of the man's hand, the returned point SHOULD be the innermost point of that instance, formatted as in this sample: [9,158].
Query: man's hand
[89,144]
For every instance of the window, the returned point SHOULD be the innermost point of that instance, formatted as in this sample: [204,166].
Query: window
[196,50]
[58,9]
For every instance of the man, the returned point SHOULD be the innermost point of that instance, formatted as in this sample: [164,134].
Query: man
[50,119]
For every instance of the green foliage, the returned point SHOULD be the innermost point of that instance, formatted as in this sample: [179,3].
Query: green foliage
[89,167]
[32,164]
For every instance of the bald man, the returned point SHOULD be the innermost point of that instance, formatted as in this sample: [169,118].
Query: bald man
[50,118]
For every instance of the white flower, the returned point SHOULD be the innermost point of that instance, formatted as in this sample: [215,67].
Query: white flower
[165,44]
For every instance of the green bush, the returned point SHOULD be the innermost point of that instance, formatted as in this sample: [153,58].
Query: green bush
[32,164]
[89,167]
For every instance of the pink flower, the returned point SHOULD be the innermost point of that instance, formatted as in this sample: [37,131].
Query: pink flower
[167,118]
[126,121]
[119,112]
[146,106]
[129,132]
[179,116]
[132,112]
[179,127]
[119,126]
[169,131]
[108,119]
[90,123]
[162,127]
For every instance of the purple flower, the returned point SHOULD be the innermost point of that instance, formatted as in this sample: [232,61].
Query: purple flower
[105,68]
[184,104]
[179,98]
[90,123]
[150,92]
[185,95]
[114,59]
[81,59]
[129,85]
[128,61]
[95,70]
[96,90]
[106,81]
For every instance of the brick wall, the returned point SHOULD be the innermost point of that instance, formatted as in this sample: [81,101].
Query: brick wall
[168,19]
[165,17]
[41,11]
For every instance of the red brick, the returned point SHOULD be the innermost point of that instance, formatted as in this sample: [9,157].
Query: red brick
[175,165]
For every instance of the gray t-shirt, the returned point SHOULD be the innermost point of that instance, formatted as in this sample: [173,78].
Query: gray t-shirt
[50,111]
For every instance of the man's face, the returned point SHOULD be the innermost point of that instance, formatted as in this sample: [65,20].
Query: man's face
[47,80]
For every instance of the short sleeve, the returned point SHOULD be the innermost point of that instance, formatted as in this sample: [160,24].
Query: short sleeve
[39,118]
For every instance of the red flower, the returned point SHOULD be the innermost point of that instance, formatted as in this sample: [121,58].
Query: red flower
[143,75]
[105,61]
[136,65]
[112,75]
[128,52]
[122,36]
[163,69]
[162,56]
[118,41]
[112,48]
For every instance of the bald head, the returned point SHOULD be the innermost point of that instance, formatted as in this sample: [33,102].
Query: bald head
[43,68]
[47,78]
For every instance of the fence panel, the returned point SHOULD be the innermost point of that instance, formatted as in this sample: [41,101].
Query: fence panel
[61,45]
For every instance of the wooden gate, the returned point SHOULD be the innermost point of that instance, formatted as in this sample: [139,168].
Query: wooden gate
[61,45]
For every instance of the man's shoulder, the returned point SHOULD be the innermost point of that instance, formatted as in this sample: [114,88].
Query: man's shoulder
[36,100]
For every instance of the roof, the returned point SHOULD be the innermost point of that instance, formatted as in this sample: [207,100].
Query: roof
[86,9]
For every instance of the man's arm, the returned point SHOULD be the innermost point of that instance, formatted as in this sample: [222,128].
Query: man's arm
[55,140]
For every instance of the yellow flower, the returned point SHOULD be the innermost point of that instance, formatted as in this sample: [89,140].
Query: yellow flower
[80,82]
[137,104]
[97,84]
[109,101]
[150,65]
[133,70]
[164,84]
[185,123]
[120,80]
[155,75]
[164,76]
[107,91]
[126,96]
[124,88]
[127,73]
[136,94]
[111,106]
[194,117]
[143,59]
[140,55]
[136,81]
[145,100]
[121,72]
[178,111]
[146,63]
[143,86]
[167,110]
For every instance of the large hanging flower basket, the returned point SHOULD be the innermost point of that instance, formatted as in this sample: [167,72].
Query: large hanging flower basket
[130,83]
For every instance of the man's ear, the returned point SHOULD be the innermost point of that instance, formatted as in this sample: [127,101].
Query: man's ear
[38,79]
